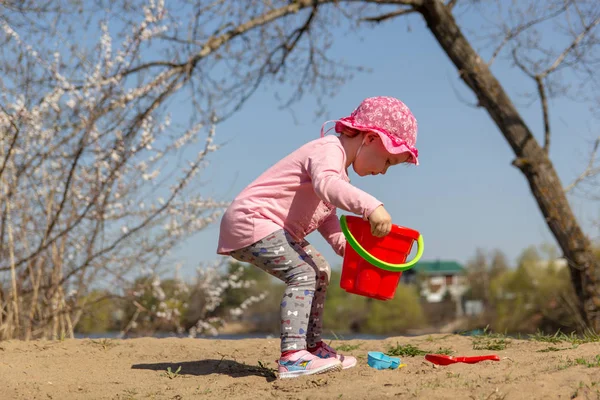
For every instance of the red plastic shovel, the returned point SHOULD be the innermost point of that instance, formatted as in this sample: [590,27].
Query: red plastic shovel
[441,359]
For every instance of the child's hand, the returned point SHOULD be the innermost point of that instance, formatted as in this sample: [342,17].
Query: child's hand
[381,222]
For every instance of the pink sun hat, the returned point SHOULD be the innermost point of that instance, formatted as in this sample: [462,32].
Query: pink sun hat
[390,118]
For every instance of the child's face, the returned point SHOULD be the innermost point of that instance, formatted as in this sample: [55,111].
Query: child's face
[374,159]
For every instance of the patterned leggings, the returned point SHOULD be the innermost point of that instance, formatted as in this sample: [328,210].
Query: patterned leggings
[306,274]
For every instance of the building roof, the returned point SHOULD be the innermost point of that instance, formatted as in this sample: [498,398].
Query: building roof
[439,267]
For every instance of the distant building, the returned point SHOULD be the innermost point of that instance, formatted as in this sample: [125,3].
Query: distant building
[557,264]
[438,279]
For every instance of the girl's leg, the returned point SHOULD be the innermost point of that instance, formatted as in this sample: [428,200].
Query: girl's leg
[315,323]
[279,255]
[323,274]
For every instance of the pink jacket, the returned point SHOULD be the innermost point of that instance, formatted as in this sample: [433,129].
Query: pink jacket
[299,193]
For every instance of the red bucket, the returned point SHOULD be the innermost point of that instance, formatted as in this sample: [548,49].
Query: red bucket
[373,266]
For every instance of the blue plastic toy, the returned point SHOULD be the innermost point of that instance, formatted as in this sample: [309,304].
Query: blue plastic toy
[378,360]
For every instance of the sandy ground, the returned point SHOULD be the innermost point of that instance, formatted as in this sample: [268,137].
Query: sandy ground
[220,369]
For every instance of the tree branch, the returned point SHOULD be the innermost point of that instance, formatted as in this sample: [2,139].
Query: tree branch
[589,170]
[559,60]
[294,37]
[13,142]
[539,77]
[390,15]
[68,182]
[520,65]
[194,167]
[215,42]
[113,174]
[513,33]
[539,80]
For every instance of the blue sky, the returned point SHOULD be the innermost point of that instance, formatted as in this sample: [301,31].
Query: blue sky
[464,195]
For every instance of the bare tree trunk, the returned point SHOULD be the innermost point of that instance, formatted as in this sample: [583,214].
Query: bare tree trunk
[531,159]
[13,271]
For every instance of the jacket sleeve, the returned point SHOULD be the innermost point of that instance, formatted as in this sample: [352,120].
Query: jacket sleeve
[325,167]
[331,230]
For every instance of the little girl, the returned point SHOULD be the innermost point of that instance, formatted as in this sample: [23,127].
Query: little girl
[267,222]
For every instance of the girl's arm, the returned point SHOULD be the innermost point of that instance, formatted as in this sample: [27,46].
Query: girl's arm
[325,168]
[331,230]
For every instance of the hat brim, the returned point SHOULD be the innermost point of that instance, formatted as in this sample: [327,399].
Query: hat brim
[389,145]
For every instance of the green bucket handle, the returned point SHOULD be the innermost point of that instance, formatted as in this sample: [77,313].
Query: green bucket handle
[372,259]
